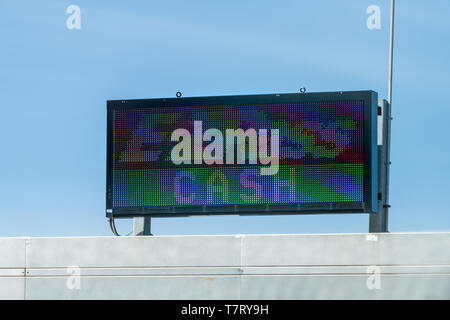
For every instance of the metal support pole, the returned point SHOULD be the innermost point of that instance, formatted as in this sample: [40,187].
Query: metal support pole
[378,220]
[391,52]
[388,118]
[142,226]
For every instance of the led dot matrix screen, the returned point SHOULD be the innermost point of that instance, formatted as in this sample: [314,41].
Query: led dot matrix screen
[252,154]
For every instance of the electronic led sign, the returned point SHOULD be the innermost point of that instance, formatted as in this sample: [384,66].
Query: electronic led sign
[253,154]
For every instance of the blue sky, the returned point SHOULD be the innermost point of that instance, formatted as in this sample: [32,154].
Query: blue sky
[54,83]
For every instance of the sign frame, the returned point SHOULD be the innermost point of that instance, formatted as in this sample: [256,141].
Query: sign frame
[370,154]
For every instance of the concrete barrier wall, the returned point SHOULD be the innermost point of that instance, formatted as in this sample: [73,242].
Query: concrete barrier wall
[12,268]
[327,266]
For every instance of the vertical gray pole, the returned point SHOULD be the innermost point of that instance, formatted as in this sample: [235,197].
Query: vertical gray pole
[142,226]
[391,52]
[389,117]
[379,220]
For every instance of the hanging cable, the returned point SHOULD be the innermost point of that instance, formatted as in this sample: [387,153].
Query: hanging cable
[113,226]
